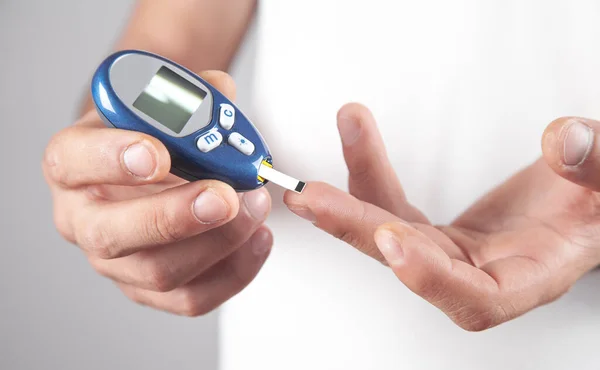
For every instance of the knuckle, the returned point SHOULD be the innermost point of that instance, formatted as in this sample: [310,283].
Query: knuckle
[356,241]
[97,192]
[50,153]
[350,235]
[100,267]
[227,240]
[58,173]
[347,236]
[230,237]
[233,238]
[159,275]
[554,293]
[433,291]
[162,226]
[360,172]
[136,298]
[63,225]
[240,276]
[468,316]
[133,295]
[192,305]
[52,162]
[478,323]
[478,318]
[559,294]
[97,240]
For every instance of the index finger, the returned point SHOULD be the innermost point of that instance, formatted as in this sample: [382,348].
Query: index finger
[352,220]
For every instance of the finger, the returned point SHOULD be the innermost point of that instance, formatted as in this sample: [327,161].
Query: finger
[109,230]
[350,219]
[524,282]
[220,81]
[168,267]
[217,285]
[541,276]
[86,155]
[464,293]
[371,175]
[572,149]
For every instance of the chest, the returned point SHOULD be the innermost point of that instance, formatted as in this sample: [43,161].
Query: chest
[462,90]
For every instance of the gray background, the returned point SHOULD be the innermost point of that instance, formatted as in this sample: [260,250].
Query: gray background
[55,312]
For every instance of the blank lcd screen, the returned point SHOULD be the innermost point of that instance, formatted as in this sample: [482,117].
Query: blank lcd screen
[170,99]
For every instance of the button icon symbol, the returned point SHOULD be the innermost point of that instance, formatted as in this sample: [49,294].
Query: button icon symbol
[226,116]
[211,138]
[241,143]
[209,141]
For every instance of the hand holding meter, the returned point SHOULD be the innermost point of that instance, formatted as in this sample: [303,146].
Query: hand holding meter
[206,135]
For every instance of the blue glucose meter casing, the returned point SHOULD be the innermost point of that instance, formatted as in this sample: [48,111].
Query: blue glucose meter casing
[205,134]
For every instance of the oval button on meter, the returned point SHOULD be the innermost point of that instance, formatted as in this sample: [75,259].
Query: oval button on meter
[241,143]
[209,141]
[227,116]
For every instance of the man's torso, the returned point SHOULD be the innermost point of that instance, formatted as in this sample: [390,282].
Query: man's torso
[452,85]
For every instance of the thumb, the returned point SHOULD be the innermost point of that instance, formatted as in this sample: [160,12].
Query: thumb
[463,292]
[571,149]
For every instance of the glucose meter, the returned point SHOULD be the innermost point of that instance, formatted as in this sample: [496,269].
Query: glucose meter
[207,136]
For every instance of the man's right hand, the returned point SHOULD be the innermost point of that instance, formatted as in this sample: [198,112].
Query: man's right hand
[172,245]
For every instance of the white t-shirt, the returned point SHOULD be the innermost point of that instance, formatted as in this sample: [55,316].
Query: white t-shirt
[452,84]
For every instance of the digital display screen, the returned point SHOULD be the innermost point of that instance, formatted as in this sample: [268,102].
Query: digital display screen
[170,99]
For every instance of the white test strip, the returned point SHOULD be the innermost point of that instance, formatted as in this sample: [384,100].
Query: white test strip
[281,179]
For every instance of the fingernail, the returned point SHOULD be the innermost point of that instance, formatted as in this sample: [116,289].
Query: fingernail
[578,142]
[261,242]
[349,128]
[305,213]
[139,161]
[257,204]
[389,246]
[210,207]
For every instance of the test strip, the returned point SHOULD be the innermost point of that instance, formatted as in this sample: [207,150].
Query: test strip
[269,173]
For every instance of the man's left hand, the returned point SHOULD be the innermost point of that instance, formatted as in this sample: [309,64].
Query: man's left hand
[522,245]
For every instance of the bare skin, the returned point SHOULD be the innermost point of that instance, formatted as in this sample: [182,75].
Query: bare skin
[180,247]
[168,246]
[522,245]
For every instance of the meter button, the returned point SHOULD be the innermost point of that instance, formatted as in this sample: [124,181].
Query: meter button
[241,143]
[227,116]
[209,141]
